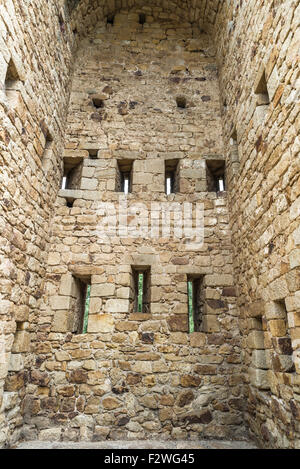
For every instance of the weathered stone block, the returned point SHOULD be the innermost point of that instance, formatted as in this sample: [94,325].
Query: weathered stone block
[21,313]
[21,342]
[100,323]
[256,340]
[60,302]
[259,378]
[50,434]
[219,280]
[178,323]
[103,290]
[117,306]
[61,322]
[277,327]
[259,359]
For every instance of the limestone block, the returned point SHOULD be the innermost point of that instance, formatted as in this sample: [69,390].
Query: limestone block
[21,313]
[21,342]
[89,184]
[197,339]
[3,366]
[70,194]
[210,323]
[54,258]
[100,323]
[66,284]
[117,306]
[142,178]
[256,340]
[295,209]
[154,166]
[16,362]
[61,322]
[260,114]
[259,359]
[50,434]
[88,172]
[142,367]
[103,289]
[273,83]
[274,310]
[5,307]
[218,280]
[60,302]
[95,305]
[294,258]
[259,378]
[293,302]
[277,327]
[256,309]
[278,289]
[110,403]
[124,293]
[282,363]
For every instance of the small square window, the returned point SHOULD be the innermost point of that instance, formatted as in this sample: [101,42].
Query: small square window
[93,154]
[110,19]
[215,175]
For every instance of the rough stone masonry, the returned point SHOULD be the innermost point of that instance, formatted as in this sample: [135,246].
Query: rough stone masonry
[104,103]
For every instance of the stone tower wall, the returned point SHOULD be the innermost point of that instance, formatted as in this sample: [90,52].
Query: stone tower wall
[139,375]
[264,190]
[250,96]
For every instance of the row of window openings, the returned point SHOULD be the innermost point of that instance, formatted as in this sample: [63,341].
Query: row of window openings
[181,102]
[215,176]
[195,292]
[141,302]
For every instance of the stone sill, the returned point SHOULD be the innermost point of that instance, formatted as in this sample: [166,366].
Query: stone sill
[140,317]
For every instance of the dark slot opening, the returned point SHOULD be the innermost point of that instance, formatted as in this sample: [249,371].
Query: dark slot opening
[110,19]
[124,176]
[262,90]
[142,18]
[12,76]
[98,103]
[93,154]
[141,278]
[181,102]
[215,171]
[82,304]
[195,303]
[171,176]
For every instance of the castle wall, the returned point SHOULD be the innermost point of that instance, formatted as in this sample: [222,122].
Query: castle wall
[256,37]
[133,376]
[139,375]
[33,99]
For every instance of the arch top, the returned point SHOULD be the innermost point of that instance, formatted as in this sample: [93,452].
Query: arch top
[83,15]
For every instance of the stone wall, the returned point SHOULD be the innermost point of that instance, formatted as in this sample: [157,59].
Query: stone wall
[259,38]
[33,99]
[70,386]
[135,375]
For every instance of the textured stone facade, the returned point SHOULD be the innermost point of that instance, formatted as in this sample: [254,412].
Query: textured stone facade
[186,85]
